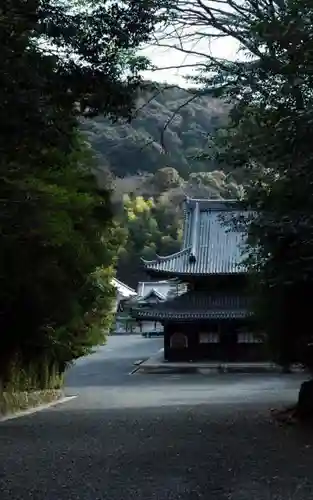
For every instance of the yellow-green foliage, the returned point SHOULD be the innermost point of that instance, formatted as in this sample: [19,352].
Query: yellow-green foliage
[153,226]
[136,206]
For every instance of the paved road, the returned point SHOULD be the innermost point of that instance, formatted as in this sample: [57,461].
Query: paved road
[164,437]
[112,363]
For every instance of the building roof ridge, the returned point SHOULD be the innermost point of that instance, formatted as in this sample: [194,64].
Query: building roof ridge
[191,305]
[212,204]
[116,282]
[153,291]
[167,257]
[195,233]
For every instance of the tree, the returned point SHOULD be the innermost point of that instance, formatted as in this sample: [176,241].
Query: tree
[167,177]
[270,136]
[58,248]
[153,227]
[59,242]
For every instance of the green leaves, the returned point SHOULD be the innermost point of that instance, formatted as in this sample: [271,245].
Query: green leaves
[59,243]
[97,62]
[152,227]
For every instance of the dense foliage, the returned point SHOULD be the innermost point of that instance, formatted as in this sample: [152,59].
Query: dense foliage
[165,131]
[58,240]
[151,227]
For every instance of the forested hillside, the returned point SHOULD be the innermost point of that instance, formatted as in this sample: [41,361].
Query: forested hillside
[153,163]
[137,147]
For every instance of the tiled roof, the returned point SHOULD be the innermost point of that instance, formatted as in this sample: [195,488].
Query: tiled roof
[197,305]
[161,286]
[152,294]
[212,241]
[122,288]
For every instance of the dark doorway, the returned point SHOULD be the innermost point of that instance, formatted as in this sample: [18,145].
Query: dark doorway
[229,343]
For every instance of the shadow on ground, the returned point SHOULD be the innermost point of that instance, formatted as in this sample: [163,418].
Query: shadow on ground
[187,453]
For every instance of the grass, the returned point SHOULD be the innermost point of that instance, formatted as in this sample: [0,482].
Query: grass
[28,388]
[14,402]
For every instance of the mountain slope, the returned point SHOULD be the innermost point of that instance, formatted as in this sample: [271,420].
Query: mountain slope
[137,147]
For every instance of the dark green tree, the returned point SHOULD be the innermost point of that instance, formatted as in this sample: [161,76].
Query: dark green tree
[59,61]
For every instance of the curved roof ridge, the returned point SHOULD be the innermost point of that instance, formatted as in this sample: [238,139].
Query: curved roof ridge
[168,257]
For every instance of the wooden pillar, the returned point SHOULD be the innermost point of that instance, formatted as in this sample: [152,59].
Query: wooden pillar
[220,348]
[167,334]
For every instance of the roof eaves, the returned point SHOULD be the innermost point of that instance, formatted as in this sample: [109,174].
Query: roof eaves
[159,258]
[190,315]
[120,286]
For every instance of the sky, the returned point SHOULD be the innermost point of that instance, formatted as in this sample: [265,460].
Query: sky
[226,48]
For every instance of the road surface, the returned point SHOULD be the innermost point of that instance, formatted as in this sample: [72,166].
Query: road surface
[164,437]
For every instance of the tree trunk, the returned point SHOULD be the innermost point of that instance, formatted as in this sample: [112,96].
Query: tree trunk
[305,401]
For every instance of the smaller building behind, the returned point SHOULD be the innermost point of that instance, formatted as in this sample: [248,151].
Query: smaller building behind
[123,292]
[148,293]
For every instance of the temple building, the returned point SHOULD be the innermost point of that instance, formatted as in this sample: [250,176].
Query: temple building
[148,294]
[211,319]
[122,291]
[151,293]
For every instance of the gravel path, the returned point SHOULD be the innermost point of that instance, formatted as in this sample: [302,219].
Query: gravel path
[219,453]
[153,437]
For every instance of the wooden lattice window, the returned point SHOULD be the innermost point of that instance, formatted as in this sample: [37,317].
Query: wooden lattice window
[248,338]
[209,338]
